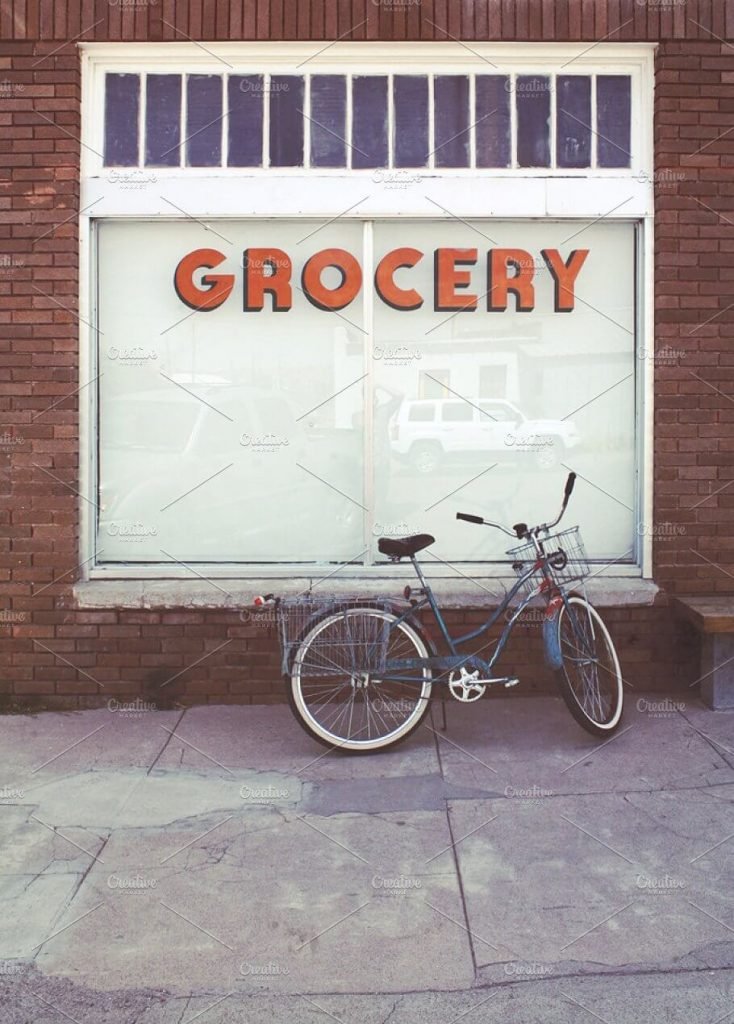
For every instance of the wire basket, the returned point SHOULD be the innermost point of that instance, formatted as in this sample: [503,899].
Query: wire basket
[569,542]
[356,643]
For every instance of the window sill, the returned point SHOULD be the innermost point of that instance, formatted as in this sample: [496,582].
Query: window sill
[229,594]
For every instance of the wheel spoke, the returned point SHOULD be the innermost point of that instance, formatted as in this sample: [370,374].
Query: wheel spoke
[336,681]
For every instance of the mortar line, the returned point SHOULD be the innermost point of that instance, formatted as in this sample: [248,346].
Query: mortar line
[171,734]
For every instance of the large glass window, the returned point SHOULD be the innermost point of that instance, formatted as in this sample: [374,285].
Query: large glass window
[265,396]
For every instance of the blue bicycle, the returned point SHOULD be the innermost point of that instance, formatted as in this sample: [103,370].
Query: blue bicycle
[360,673]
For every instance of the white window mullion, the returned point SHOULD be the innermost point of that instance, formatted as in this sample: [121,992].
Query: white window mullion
[307,121]
[552,126]
[593,153]
[472,121]
[513,120]
[143,116]
[368,322]
[390,121]
[348,122]
[184,109]
[266,119]
[224,124]
[431,123]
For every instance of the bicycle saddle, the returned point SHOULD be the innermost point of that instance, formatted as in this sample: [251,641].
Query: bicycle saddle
[404,547]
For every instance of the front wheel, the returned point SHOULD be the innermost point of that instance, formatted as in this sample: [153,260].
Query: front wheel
[339,688]
[590,679]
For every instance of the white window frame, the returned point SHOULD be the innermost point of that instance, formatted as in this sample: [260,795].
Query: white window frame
[512,193]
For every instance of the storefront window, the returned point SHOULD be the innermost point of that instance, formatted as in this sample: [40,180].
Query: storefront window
[266,396]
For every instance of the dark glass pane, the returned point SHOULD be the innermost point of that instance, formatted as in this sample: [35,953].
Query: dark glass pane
[286,121]
[369,121]
[328,121]
[410,125]
[451,121]
[162,120]
[492,116]
[613,120]
[532,100]
[245,99]
[573,120]
[204,120]
[121,113]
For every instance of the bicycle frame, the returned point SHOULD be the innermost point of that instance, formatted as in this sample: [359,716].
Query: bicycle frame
[454,661]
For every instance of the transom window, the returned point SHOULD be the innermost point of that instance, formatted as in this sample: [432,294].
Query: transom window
[364,121]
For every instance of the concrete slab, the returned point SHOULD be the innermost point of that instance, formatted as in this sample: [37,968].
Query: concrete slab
[716,727]
[31,845]
[268,738]
[36,747]
[679,998]
[577,884]
[514,746]
[31,906]
[300,904]
[124,799]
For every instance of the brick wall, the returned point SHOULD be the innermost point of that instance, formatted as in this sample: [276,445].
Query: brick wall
[55,655]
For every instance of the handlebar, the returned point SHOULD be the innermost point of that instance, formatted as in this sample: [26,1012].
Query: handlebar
[521,530]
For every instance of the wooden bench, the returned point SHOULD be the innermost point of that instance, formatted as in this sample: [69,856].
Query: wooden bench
[713,617]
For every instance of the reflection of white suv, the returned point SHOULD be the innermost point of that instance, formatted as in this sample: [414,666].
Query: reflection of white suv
[426,431]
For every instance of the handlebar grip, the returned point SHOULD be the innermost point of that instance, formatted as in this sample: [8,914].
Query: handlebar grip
[470,519]
[569,486]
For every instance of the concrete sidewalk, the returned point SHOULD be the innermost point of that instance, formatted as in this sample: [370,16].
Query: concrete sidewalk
[216,865]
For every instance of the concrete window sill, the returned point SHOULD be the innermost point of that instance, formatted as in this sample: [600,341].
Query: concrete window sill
[228,594]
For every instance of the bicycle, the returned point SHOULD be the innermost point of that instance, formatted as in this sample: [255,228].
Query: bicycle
[360,672]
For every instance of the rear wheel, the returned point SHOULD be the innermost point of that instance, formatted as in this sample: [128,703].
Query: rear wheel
[337,687]
[590,679]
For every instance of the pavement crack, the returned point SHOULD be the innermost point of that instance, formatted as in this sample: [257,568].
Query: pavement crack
[171,734]
[395,1005]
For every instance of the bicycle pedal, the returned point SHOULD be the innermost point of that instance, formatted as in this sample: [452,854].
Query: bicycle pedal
[512,681]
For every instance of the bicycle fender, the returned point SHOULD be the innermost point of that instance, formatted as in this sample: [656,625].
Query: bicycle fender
[551,641]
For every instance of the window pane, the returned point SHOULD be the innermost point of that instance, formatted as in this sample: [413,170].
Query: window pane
[257,454]
[410,128]
[573,121]
[204,120]
[457,412]
[613,120]
[492,116]
[245,97]
[532,98]
[451,120]
[369,121]
[122,105]
[286,121]
[546,397]
[328,120]
[162,120]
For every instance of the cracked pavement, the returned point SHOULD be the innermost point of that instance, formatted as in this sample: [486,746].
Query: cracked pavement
[214,864]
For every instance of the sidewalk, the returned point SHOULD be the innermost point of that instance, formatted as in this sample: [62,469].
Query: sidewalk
[215,864]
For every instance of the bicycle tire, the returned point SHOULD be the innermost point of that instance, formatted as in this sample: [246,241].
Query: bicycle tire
[605,722]
[317,730]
